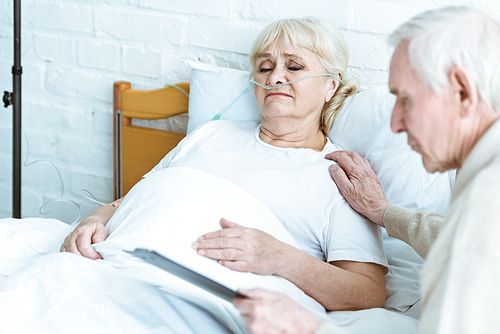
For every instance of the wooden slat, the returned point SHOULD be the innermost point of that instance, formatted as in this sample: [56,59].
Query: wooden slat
[155,104]
[142,149]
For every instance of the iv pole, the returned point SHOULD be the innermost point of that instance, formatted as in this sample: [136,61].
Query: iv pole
[14,98]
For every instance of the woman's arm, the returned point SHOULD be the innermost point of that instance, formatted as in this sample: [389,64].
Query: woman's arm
[340,285]
[90,230]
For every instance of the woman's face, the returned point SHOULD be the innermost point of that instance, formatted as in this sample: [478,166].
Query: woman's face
[301,100]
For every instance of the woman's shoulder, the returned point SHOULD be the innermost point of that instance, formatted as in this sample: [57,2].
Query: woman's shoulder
[331,146]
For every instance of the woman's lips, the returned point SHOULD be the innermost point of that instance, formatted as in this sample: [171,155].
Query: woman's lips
[278,94]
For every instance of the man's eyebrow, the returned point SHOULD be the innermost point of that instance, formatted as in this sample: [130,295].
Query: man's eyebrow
[393,90]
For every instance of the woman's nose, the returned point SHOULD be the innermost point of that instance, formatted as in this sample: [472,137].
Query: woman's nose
[277,76]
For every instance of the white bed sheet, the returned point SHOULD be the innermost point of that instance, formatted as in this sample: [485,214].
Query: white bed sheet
[45,291]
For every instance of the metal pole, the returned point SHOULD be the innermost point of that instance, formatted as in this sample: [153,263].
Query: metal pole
[17,71]
[118,131]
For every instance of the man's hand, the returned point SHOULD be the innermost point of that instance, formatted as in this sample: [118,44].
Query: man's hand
[359,185]
[88,232]
[269,312]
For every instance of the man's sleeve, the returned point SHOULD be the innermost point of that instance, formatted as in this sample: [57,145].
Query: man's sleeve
[418,229]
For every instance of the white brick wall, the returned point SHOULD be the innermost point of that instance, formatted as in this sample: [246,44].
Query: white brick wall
[75,50]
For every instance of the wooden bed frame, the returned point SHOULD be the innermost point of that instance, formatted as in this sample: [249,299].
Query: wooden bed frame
[138,149]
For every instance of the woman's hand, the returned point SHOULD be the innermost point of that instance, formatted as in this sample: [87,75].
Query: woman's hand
[88,232]
[269,312]
[243,249]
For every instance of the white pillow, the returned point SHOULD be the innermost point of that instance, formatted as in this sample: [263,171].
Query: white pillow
[214,88]
[362,126]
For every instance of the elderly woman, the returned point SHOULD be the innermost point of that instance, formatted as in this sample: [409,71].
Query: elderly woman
[298,68]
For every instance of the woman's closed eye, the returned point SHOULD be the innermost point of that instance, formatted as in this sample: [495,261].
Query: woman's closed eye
[295,68]
[265,70]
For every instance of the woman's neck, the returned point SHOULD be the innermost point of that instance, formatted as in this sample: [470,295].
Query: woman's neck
[287,136]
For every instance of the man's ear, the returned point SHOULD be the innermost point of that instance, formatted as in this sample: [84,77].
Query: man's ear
[464,90]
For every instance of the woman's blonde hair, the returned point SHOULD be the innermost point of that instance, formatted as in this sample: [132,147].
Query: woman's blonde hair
[317,36]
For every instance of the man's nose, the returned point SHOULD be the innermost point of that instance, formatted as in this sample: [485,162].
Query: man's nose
[397,121]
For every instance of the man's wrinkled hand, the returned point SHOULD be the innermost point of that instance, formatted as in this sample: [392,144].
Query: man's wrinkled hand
[359,184]
[269,312]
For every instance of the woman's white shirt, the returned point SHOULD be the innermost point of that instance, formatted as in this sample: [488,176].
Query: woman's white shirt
[293,183]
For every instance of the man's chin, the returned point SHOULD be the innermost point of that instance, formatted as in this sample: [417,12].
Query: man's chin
[431,166]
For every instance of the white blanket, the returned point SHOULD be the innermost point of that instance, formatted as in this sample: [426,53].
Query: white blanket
[55,292]
[44,291]
[190,204]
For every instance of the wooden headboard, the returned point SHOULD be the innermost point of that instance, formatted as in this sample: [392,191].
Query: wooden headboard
[138,149]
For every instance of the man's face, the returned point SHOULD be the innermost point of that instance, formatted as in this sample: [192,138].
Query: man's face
[430,120]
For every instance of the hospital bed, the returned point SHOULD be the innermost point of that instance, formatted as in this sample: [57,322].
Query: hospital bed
[42,290]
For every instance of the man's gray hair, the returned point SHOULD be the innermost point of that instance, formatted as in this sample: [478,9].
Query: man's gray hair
[462,36]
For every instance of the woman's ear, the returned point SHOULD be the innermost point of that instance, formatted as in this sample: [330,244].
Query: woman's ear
[464,90]
[334,85]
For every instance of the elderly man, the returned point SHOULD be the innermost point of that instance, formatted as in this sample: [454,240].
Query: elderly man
[445,75]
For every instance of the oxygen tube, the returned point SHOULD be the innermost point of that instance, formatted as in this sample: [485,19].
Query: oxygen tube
[253,82]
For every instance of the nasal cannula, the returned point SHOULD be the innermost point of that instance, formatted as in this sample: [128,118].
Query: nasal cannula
[290,82]
[253,82]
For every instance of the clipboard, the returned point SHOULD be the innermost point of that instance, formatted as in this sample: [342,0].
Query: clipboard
[186,274]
